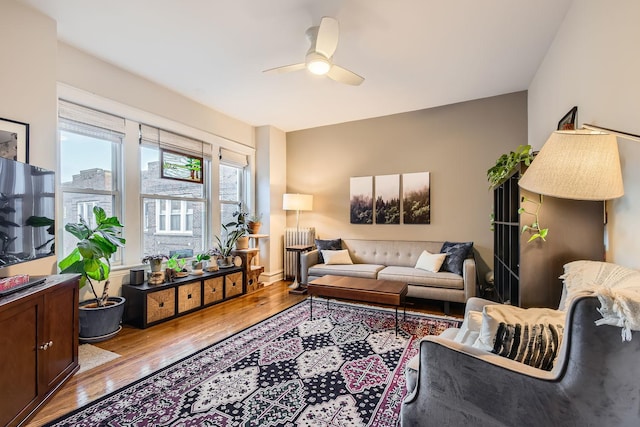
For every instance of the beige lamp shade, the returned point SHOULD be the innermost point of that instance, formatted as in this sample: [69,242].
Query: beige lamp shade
[579,165]
[297,202]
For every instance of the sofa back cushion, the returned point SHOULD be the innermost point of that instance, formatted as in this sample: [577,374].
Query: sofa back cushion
[388,252]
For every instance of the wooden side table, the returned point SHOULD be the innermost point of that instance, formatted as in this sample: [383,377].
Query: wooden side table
[296,287]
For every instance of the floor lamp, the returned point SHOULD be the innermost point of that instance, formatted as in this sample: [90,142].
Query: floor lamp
[297,202]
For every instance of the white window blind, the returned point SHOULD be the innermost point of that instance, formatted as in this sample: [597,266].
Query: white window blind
[172,141]
[87,116]
[232,158]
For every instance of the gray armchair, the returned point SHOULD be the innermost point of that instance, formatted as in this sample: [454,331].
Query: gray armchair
[596,381]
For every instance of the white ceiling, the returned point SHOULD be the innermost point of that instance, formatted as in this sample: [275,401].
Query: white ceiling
[414,54]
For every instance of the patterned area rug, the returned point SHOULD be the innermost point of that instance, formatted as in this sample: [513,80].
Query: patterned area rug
[343,368]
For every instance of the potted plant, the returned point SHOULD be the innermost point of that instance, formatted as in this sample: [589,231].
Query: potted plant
[155,261]
[100,317]
[178,266]
[254,223]
[226,242]
[241,228]
[199,261]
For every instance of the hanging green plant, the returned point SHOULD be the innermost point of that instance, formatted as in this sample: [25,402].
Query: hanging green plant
[534,227]
[507,162]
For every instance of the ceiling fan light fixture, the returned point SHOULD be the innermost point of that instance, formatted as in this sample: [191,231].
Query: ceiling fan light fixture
[318,64]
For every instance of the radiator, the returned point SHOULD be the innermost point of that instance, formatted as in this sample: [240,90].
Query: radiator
[302,236]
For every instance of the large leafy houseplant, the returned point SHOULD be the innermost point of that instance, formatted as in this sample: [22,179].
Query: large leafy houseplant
[91,257]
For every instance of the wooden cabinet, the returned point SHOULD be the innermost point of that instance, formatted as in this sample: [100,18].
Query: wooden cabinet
[39,346]
[527,273]
[252,271]
[147,305]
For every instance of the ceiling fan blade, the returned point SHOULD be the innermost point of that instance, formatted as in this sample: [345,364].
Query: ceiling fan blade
[327,39]
[285,69]
[343,75]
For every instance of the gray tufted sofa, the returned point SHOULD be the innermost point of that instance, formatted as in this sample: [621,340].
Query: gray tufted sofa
[396,260]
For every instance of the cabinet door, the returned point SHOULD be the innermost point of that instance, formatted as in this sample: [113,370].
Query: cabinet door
[213,290]
[233,284]
[18,359]
[161,305]
[60,334]
[189,297]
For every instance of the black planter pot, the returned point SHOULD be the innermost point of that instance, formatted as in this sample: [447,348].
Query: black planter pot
[100,323]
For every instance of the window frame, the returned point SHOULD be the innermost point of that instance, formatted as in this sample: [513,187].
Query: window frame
[130,166]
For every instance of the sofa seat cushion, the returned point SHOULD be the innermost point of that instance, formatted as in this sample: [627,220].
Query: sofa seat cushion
[367,271]
[416,276]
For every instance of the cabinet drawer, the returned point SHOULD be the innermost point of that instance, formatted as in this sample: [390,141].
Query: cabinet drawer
[189,297]
[253,279]
[233,284]
[213,290]
[161,305]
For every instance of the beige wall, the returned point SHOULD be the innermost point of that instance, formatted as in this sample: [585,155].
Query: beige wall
[271,176]
[593,64]
[455,143]
[89,73]
[28,93]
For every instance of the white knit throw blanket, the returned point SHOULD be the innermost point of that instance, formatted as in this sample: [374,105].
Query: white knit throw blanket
[617,288]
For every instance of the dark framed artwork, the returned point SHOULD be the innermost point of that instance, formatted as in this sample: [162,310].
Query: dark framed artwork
[361,200]
[416,198]
[387,191]
[180,166]
[14,140]
[568,122]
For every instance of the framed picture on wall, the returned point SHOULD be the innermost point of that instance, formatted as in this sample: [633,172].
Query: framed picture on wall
[14,140]
[180,166]
[387,191]
[568,122]
[416,198]
[361,200]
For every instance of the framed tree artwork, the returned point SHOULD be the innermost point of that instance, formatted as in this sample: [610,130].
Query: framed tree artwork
[416,198]
[361,200]
[387,191]
[180,166]
[14,140]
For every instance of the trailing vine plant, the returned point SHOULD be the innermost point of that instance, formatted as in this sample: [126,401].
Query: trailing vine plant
[538,233]
[500,171]
[505,164]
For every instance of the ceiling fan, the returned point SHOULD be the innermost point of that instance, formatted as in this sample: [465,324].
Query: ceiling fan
[319,58]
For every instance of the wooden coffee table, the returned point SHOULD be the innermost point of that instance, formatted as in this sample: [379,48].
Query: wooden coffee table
[386,292]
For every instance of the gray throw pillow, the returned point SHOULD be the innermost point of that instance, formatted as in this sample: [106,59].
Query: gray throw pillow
[327,245]
[456,254]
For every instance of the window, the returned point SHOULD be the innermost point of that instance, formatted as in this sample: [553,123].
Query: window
[174,214]
[96,159]
[232,183]
[90,165]
[230,191]
[85,212]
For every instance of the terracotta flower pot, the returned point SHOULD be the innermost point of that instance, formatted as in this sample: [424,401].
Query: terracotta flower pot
[254,227]
[242,242]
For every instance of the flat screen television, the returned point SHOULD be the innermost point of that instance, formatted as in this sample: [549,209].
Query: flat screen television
[27,213]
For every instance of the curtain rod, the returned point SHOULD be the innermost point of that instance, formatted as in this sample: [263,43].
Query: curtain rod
[621,134]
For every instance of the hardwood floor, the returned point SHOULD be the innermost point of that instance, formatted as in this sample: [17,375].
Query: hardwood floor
[144,351]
